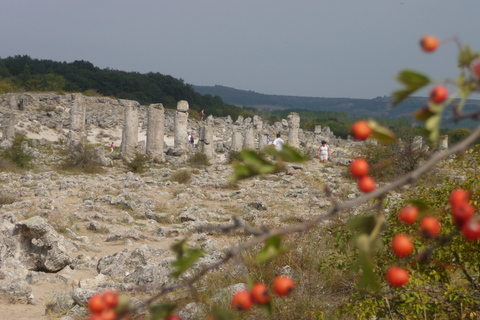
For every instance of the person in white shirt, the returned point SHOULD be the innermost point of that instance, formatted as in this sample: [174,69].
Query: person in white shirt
[324,152]
[278,143]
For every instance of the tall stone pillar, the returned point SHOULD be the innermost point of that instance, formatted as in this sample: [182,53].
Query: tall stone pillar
[206,141]
[443,143]
[258,125]
[180,125]
[155,131]
[293,120]
[249,141]
[237,141]
[130,132]
[8,126]
[78,111]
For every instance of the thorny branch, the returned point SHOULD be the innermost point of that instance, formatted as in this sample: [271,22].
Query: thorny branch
[261,237]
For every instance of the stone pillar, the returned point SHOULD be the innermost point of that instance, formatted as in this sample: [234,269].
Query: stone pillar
[249,141]
[443,143]
[130,132]
[78,111]
[258,125]
[180,125]
[417,143]
[8,126]
[293,126]
[206,141]
[237,141]
[155,131]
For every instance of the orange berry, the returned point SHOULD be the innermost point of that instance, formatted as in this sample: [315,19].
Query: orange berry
[110,298]
[462,213]
[96,304]
[476,68]
[429,43]
[359,168]
[408,214]
[397,276]
[438,94]
[259,293]
[242,300]
[108,314]
[366,184]
[459,196]
[173,318]
[283,285]
[430,226]
[360,130]
[402,245]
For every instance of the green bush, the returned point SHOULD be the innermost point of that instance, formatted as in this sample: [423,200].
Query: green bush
[138,164]
[16,153]
[234,157]
[83,159]
[198,159]
[181,176]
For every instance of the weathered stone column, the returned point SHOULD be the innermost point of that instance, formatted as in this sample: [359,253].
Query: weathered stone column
[155,131]
[249,141]
[206,141]
[130,131]
[237,141]
[76,134]
[8,126]
[293,126]
[258,125]
[417,143]
[443,143]
[180,125]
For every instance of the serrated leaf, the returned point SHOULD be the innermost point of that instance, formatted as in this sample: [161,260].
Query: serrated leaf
[160,311]
[240,171]
[272,248]
[423,114]
[381,133]
[290,154]
[184,263]
[466,57]
[412,81]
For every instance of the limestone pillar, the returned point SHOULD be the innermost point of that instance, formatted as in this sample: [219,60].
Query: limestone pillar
[417,143]
[180,125]
[130,132]
[258,125]
[8,126]
[237,141]
[249,141]
[78,111]
[155,131]
[206,141]
[293,120]
[443,143]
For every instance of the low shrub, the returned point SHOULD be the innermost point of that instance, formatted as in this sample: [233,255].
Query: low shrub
[181,176]
[138,164]
[17,153]
[198,159]
[83,159]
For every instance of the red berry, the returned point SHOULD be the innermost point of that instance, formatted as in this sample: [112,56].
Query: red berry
[430,226]
[96,304]
[471,230]
[402,245]
[259,293]
[397,276]
[110,298]
[476,68]
[173,318]
[366,184]
[462,213]
[429,43]
[459,196]
[242,300]
[108,314]
[283,285]
[438,94]
[408,214]
[361,130]
[359,168]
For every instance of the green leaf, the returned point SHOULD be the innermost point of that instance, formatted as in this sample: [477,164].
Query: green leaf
[267,308]
[186,257]
[160,311]
[290,154]
[432,126]
[271,250]
[466,56]
[362,224]
[423,114]
[381,133]
[412,81]
[220,314]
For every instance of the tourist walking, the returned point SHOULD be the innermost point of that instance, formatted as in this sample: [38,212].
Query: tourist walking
[324,152]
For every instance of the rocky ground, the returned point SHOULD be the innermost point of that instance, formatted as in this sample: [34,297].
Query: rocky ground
[64,235]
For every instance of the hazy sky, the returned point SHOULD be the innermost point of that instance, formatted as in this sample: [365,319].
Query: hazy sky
[319,48]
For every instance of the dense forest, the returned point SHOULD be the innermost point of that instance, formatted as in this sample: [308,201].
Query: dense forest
[22,73]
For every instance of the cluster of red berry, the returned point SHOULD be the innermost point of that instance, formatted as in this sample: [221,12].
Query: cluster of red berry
[258,294]
[402,246]
[359,167]
[102,306]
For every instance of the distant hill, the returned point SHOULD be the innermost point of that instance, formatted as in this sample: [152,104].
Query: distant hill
[378,107]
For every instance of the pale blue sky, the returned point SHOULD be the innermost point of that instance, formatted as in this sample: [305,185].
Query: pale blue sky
[319,48]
